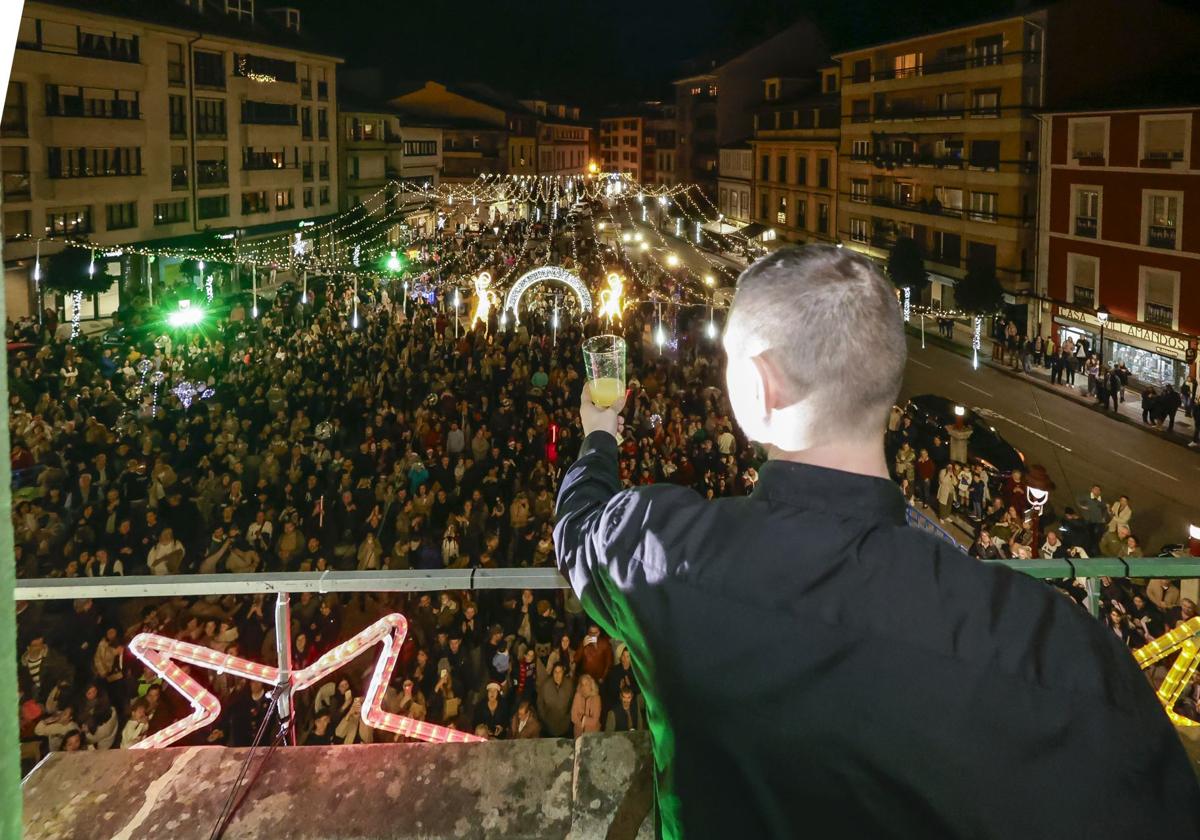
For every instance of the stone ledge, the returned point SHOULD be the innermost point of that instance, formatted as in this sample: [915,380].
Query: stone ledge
[598,786]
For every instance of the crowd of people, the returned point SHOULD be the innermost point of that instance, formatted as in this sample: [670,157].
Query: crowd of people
[401,442]
[393,445]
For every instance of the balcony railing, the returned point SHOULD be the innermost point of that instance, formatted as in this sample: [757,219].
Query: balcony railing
[268,113]
[263,160]
[1161,236]
[1160,315]
[1089,157]
[1086,226]
[78,106]
[951,65]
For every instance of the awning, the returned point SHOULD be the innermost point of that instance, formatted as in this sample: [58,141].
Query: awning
[750,231]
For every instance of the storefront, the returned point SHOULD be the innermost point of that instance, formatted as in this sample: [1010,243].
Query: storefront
[1153,357]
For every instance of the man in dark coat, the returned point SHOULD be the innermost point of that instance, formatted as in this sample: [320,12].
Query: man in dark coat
[1009,711]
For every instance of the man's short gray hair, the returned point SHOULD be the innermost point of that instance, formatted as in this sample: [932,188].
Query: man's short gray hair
[831,324]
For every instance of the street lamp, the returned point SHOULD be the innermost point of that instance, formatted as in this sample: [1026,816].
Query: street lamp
[1102,317]
[672,260]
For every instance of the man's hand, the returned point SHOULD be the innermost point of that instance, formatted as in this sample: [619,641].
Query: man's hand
[601,419]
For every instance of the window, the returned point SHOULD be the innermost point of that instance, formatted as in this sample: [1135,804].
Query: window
[14,164]
[260,68]
[83,162]
[212,206]
[986,103]
[177,109]
[323,167]
[210,117]
[212,168]
[949,152]
[862,70]
[1164,139]
[983,206]
[420,148]
[1083,280]
[208,69]
[981,256]
[306,123]
[904,194]
[860,111]
[176,75]
[17,225]
[322,85]
[801,213]
[69,221]
[765,168]
[75,101]
[1160,224]
[264,158]
[950,199]
[322,123]
[304,71]
[859,190]
[801,170]
[987,50]
[772,90]
[268,113]
[1088,141]
[16,121]
[308,197]
[951,104]
[763,206]
[985,154]
[241,9]
[170,212]
[1158,297]
[254,202]
[121,215]
[860,149]
[947,248]
[822,217]
[324,195]
[823,172]
[907,65]
[179,168]
[831,80]
[283,200]
[1087,212]
[781,164]
[858,230]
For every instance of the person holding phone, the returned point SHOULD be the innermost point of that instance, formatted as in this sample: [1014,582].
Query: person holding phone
[1008,710]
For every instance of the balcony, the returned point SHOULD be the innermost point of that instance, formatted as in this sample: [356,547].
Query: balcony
[179,178]
[257,161]
[16,185]
[951,260]
[1088,157]
[268,113]
[1163,160]
[950,65]
[1161,236]
[79,106]
[212,173]
[1086,226]
[1160,315]
[113,47]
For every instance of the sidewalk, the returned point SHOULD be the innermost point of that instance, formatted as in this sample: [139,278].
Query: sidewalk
[1129,411]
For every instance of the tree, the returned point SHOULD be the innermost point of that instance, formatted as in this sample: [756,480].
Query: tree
[979,292]
[906,266]
[67,272]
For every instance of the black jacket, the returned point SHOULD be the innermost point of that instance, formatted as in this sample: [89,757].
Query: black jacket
[812,665]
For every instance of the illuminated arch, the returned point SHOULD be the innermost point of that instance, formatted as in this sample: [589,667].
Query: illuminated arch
[540,275]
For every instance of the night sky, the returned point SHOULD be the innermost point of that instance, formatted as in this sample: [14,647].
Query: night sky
[589,51]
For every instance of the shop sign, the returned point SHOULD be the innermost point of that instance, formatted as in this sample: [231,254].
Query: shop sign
[1170,345]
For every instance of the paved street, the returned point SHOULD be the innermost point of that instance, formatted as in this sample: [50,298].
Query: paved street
[1077,446]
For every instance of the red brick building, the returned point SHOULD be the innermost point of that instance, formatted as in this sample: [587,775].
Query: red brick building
[1120,234]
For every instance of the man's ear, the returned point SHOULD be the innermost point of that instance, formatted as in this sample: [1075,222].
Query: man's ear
[768,389]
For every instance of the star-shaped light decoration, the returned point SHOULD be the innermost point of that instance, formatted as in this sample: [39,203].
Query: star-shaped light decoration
[189,392]
[1182,639]
[161,655]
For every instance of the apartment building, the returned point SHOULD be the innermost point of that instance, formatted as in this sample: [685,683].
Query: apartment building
[381,152]
[794,156]
[162,123]
[735,184]
[939,144]
[1120,187]
[696,156]
[663,129]
[622,145]
[563,139]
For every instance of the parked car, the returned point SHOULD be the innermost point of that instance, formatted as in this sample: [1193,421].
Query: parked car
[931,414]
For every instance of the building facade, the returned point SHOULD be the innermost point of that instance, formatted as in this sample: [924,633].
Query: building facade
[622,145]
[795,159]
[939,144]
[696,152]
[146,127]
[1121,188]
[735,184]
[563,140]
[664,129]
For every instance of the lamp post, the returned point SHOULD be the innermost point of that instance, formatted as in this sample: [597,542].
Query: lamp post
[1102,317]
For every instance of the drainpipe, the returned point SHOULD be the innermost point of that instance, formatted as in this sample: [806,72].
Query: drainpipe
[191,89]
[1042,195]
